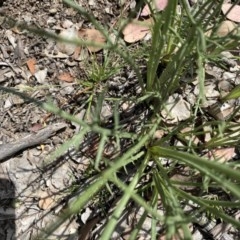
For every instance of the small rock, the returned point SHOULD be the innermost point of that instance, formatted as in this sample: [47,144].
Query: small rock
[229,76]
[86,214]
[105,112]
[13,100]
[225,86]
[210,91]
[191,98]
[41,75]
[53,11]
[228,58]
[176,109]
[108,10]
[51,20]
[67,24]
[133,4]
[91,2]
[67,89]
[8,103]
[68,34]
[225,28]
[235,68]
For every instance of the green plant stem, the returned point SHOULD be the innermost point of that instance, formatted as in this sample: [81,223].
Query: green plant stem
[124,200]
[212,169]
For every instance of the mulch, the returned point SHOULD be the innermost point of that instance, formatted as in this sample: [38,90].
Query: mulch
[33,190]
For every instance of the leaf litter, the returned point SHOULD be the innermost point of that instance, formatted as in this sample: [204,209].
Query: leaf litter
[51,67]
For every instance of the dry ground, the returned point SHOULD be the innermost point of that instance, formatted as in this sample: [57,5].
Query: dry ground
[32,196]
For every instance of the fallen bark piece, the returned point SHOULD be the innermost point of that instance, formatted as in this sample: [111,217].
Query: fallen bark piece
[9,149]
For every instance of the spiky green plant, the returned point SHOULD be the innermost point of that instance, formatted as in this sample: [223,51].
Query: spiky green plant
[179,43]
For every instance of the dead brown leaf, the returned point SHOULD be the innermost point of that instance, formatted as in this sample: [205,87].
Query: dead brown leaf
[31,63]
[159,5]
[92,35]
[221,154]
[66,77]
[234,14]
[136,30]
[77,52]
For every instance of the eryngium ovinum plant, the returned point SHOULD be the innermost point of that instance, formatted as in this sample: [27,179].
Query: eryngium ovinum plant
[184,38]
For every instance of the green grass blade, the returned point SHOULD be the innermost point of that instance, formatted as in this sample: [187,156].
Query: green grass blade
[207,207]
[123,202]
[234,94]
[161,35]
[175,217]
[103,178]
[103,140]
[154,204]
[110,44]
[74,142]
[138,227]
[221,173]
